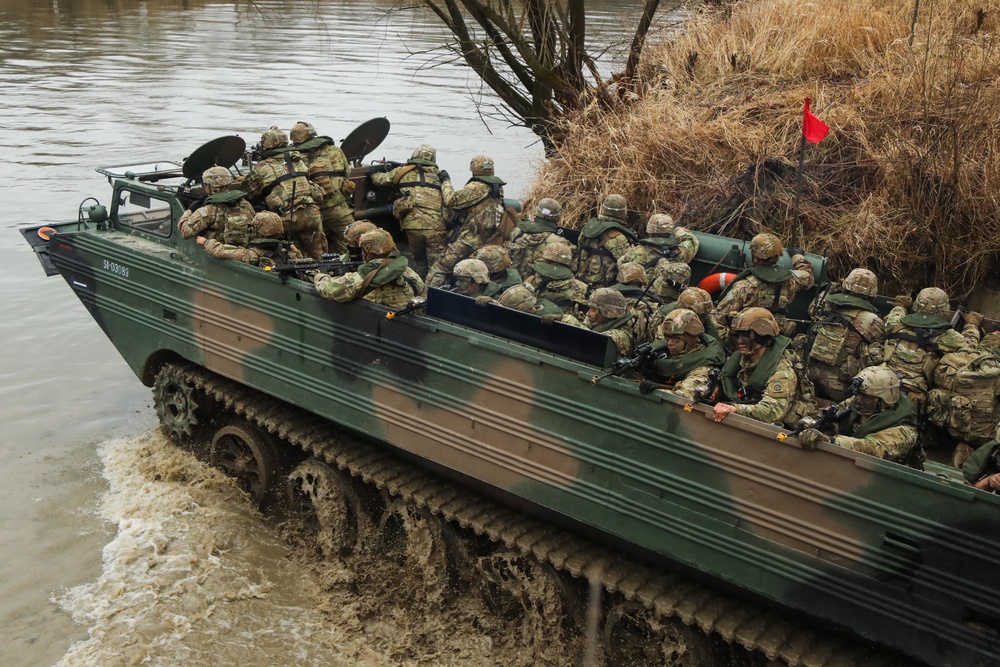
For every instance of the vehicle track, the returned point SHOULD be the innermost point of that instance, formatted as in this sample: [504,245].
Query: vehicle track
[757,629]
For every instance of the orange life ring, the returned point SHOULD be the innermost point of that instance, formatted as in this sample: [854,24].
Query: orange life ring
[46,233]
[716,282]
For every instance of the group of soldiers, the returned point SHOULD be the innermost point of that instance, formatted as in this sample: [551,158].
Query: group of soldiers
[882,377]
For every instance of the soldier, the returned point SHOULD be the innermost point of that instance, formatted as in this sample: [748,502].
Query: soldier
[352,237]
[470,277]
[915,342]
[877,419]
[685,355]
[698,300]
[603,241]
[766,284]
[328,168]
[522,298]
[609,314]
[480,202]
[528,240]
[758,380]
[384,278]
[847,335]
[641,301]
[281,180]
[220,210]
[982,469]
[665,240]
[419,207]
[553,279]
[263,246]
[502,275]
[669,280]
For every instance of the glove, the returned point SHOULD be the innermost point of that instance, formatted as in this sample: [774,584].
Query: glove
[647,387]
[903,301]
[792,252]
[347,187]
[549,318]
[444,175]
[973,318]
[310,275]
[483,300]
[811,437]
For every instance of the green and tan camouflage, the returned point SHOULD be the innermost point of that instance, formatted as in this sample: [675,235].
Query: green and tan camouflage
[758,542]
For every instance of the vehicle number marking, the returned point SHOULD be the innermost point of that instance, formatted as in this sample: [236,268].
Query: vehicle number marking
[116,268]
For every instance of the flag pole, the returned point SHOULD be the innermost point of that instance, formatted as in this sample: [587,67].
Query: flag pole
[798,190]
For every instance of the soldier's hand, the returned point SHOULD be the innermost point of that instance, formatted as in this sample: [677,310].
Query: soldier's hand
[903,301]
[549,318]
[720,411]
[202,239]
[483,300]
[973,318]
[310,275]
[811,437]
[792,252]
[444,175]
[647,387]
[347,187]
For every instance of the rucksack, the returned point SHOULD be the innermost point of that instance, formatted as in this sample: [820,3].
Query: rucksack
[964,398]
[508,221]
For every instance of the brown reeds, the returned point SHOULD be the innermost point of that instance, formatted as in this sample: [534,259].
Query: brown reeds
[905,183]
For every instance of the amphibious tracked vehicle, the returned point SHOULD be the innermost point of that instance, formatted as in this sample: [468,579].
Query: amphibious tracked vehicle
[483,425]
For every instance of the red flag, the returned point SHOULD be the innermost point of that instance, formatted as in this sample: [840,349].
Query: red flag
[813,129]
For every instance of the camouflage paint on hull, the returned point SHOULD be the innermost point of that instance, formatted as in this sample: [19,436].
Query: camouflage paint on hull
[897,556]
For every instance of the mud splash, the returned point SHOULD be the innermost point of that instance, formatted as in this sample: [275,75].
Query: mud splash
[194,575]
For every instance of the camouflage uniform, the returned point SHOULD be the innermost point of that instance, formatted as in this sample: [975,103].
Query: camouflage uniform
[664,241]
[553,280]
[528,240]
[481,203]
[419,208]
[329,168]
[847,335]
[603,241]
[641,301]
[612,318]
[915,342]
[502,276]
[688,371]
[669,281]
[386,279]
[265,243]
[770,287]
[276,178]
[211,219]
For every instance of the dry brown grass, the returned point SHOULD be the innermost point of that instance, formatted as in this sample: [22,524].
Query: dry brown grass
[904,184]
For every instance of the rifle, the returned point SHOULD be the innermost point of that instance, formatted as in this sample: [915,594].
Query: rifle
[644,354]
[828,416]
[414,304]
[328,263]
[705,391]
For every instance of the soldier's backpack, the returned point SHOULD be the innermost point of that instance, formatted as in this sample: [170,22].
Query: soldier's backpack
[964,398]
[239,230]
[508,221]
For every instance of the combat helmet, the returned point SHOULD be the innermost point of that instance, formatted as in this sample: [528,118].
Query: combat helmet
[273,138]
[376,243]
[880,381]
[632,273]
[696,299]
[682,321]
[558,253]
[474,269]
[356,229]
[861,282]
[519,297]
[608,302]
[757,320]
[548,209]
[216,178]
[481,165]
[268,225]
[931,301]
[614,206]
[765,249]
[660,224]
[494,257]
[302,131]
[424,152]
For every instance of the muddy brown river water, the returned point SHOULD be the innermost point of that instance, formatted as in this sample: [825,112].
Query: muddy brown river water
[117,548]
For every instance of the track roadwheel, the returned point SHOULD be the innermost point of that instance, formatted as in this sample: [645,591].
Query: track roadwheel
[422,543]
[249,455]
[175,403]
[634,637]
[519,586]
[330,502]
